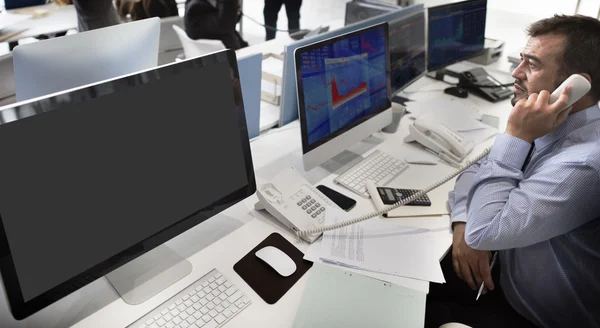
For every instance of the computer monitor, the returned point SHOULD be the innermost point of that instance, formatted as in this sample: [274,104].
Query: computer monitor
[289,101]
[359,10]
[14,4]
[105,173]
[343,91]
[74,60]
[456,32]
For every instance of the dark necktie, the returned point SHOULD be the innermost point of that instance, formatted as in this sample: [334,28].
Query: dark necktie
[528,157]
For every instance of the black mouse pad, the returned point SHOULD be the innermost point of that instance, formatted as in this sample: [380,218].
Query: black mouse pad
[265,281]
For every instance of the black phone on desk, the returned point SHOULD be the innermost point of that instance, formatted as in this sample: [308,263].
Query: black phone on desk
[344,202]
[479,82]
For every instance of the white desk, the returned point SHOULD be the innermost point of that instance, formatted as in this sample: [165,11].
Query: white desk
[59,19]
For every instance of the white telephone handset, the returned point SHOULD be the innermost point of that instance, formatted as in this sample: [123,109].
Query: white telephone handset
[579,87]
[440,139]
[294,201]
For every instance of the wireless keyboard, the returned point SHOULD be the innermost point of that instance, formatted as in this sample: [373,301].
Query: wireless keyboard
[379,167]
[209,302]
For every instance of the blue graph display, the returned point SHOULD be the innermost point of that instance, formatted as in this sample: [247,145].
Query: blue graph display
[456,32]
[343,82]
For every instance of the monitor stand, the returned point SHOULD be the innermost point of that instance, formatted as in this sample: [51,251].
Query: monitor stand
[144,277]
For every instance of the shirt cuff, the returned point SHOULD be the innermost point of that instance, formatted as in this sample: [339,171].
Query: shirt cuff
[510,150]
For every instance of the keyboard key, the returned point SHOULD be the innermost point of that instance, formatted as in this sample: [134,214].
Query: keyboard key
[204,284]
[234,297]
[217,300]
[192,293]
[210,305]
[184,324]
[188,303]
[212,313]
[213,286]
[228,284]
[199,288]
[216,292]
[211,324]
[171,307]
[156,317]
[195,298]
[154,325]
[197,306]
[198,315]
[220,319]
[201,294]
[149,322]
[179,302]
[206,318]
[186,297]
[204,310]
[168,317]
[219,308]
[175,312]
[220,281]
[222,288]
[227,313]
[233,308]
[177,320]
[223,296]
[207,290]
[183,315]
[165,311]
[239,304]
[191,319]
[190,311]
[181,308]
[246,300]
[170,325]
[212,279]
[203,301]
[161,322]
[210,297]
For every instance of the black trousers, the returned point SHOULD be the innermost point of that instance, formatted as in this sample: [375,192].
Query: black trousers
[271,11]
[454,301]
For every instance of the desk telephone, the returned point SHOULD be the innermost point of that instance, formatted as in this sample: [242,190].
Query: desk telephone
[444,142]
[289,197]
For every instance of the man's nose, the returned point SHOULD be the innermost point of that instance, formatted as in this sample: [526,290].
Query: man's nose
[519,72]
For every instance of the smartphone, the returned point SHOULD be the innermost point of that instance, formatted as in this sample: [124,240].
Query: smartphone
[344,202]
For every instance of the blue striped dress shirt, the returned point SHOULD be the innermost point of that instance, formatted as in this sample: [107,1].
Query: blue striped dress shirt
[544,220]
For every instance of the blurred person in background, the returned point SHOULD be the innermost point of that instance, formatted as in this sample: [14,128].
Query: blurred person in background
[214,20]
[271,12]
[93,14]
[141,9]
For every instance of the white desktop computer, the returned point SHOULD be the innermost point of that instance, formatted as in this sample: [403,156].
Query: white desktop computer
[343,97]
[62,63]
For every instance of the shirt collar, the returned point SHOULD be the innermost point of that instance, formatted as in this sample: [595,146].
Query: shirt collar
[572,123]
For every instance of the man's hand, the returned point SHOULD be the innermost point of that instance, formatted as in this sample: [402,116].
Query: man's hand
[470,263]
[533,117]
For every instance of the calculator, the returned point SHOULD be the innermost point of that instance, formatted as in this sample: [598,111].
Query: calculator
[391,196]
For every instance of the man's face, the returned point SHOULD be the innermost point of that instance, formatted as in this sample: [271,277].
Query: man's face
[540,66]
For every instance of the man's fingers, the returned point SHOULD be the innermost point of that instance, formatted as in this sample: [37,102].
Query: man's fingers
[467,275]
[457,269]
[562,100]
[484,269]
[543,97]
[532,98]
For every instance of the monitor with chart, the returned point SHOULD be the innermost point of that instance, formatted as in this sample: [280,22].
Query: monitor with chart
[456,32]
[71,61]
[115,169]
[343,91]
[289,100]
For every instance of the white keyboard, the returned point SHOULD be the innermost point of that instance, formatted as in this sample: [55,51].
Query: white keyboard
[379,167]
[209,302]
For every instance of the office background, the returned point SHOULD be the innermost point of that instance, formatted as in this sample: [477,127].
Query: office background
[314,13]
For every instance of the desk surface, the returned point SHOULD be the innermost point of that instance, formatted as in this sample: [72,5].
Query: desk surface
[58,19]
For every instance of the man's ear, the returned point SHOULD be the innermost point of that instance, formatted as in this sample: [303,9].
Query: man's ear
[587,77]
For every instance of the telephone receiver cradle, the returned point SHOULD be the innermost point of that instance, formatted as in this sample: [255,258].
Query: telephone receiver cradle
[288,195]
[293,201]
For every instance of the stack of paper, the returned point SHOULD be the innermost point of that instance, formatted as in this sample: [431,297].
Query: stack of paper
[383,249]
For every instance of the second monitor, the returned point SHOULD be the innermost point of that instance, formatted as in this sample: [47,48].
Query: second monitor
[344,96]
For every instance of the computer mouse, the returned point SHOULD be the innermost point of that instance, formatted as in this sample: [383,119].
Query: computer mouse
[457,92]
[277,260]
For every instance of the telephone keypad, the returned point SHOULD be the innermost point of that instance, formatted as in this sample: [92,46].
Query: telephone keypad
[309,204]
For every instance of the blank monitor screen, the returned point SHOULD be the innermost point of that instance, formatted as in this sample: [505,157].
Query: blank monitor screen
[100,175]
[407,50]
[342,82]
[456,32]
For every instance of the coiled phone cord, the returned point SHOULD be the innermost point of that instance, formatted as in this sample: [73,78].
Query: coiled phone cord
[403,202]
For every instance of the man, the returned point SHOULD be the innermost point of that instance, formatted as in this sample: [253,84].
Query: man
[271,11]
[534,198]
[93,14]
[215,20]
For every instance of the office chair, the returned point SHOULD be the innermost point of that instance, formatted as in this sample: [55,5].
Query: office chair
[195,48]
[169,45]
[7,80]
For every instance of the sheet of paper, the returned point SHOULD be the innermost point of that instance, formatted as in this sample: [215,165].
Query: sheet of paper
[269,115]
[273,66]
[313,252]
[381,246]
